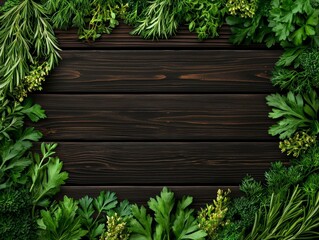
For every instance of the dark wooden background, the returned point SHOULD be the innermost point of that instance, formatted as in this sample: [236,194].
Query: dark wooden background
[133,116]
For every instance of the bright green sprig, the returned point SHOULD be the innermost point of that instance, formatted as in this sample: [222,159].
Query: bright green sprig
[160,19]
[46,175]
[205,17]
[212,218]
[117,229]
[242,8]
[298,144]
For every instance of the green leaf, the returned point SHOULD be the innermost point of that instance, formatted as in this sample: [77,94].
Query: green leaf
[141,224]
[185,225]
[293,111]
[105,202]
[162,207]
[61,222]
[34,112]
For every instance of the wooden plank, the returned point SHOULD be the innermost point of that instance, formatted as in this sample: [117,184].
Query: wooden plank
[120,38]
[213,71]
[141,194]
[108,117]
[199,163]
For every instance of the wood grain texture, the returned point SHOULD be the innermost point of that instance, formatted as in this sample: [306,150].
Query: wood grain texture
[141,194]
[214,163]
[120,38]
[108,117]
[213,71]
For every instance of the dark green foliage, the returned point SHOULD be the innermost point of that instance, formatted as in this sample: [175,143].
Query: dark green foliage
[134,10]
[14,158]
[252,30]
[8,4]
[103,17]
[310,160]
[205,17]
[304,77]
[311,186]
[281,178]
[92,18]
[13,115]
[61,222]
[241,212]
[26,38]
[241,215]
[68,13]
[251,188]
[294,22]
[171,221]
[94,212]
[288,22]
[16,141]
[295,113]
[16,220]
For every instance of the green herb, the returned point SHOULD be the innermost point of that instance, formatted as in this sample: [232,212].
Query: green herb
[205,17]
[7,5]
[68,13]
[304,77]
[296,113]
[159,19]
[242,8]
[13,115]
[26,37]
[294,22]
[116,229]
[170,224]
[135,9]
[311,187]
[104,18]
[61,222]
[16,220]
[94,212]
[212,218]
[252,30]
[14,160]
[281,178]
[298,144]
[288,217]
[46,175]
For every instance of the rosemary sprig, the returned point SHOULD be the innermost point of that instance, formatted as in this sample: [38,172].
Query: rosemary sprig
[160,19]
[26,38]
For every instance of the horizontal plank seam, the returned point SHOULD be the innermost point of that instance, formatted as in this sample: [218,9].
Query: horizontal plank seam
[147,93]
[152,185]
[164,141]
